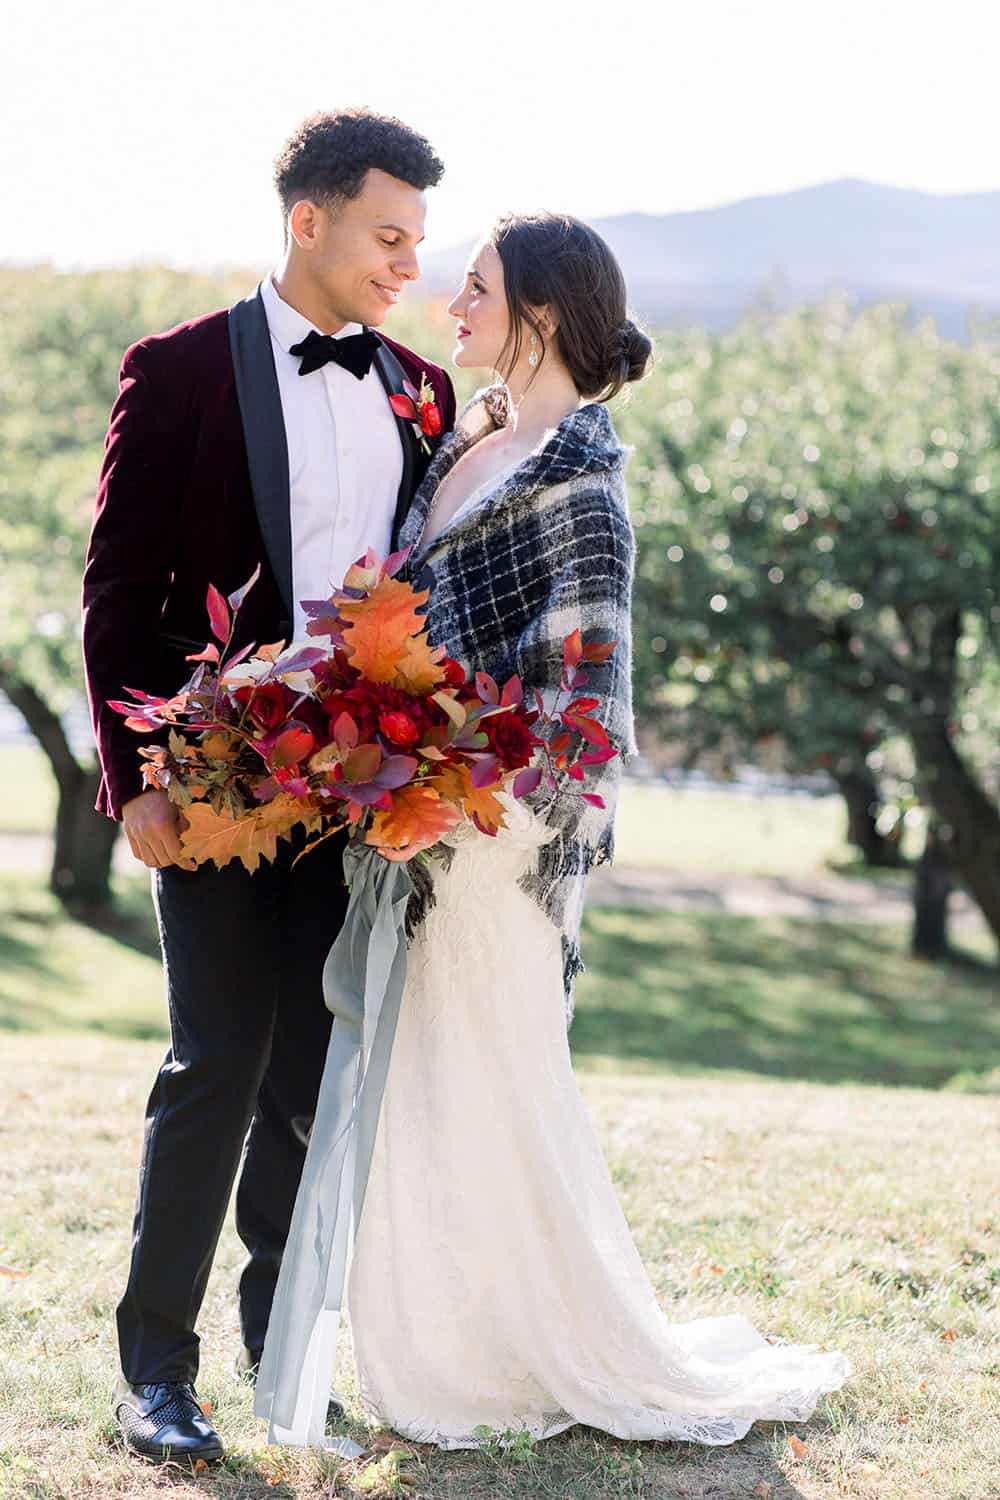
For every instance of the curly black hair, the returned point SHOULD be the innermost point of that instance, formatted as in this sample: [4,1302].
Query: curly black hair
[328,155]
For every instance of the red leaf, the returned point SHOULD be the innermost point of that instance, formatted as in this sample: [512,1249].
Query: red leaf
[575,772]
[593,799]
[598,757]
[345,732]
[582,705]
[572,650]
[559,743]
[218,614]
[403,407]
[598,652]
[513,692]
[294,744]
[592,731]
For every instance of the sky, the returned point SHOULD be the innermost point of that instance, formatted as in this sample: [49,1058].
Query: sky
[138,132]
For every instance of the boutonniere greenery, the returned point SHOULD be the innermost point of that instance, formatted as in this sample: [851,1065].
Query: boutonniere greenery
[420,408]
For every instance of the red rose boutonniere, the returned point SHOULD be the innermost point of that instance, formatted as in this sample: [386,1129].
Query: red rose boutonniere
[420,408]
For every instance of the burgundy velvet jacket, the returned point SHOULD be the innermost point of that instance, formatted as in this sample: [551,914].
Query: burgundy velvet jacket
[194,489]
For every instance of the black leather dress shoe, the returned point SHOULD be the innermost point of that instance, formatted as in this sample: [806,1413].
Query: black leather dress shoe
[247,1365]
[165,1421]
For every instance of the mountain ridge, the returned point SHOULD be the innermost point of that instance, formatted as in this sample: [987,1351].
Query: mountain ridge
[939,253]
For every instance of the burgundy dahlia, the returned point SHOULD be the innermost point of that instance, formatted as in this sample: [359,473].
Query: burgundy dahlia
[511,740]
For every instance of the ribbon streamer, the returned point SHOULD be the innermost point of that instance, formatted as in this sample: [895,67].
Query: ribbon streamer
[363,986]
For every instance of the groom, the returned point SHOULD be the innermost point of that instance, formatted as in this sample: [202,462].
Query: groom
[259,435]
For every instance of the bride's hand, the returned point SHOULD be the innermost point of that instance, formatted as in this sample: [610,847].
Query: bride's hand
[150,823]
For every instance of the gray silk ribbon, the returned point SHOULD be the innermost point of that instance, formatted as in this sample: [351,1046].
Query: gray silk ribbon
[363,986]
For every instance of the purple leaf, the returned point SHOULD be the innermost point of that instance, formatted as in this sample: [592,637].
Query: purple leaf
[487,688]
[395,561]
[368,793]
[299,661]
[235,660]
[526,781]
[237,597]
[484,771]
[218,614]
[395,771]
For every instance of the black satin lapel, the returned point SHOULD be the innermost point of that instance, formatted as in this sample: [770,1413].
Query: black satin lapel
[392,376]
[264,433]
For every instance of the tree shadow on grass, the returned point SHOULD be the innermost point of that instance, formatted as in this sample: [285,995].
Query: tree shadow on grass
[829,1002]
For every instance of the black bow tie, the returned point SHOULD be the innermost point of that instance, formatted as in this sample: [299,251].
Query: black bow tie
[355,353]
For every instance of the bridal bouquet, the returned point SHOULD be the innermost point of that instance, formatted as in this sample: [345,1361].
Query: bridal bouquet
[377,731]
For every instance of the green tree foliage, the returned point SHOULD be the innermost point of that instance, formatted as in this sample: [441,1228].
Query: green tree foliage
[61,342]
[818,499]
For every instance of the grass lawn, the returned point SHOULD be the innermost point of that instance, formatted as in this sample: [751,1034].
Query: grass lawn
[736,1072]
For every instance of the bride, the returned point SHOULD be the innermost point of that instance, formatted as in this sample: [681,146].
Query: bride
[493,1281]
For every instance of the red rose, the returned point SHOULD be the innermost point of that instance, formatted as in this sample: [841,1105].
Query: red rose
[398,727]
[430,419]
[269,703]
[454,672]
[510,739]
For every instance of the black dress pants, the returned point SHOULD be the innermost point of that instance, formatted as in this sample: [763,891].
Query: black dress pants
[243,956]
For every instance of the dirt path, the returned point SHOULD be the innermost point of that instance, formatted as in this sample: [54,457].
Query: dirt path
[819,894]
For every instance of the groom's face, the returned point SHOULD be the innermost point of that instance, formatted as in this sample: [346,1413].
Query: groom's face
[365,249]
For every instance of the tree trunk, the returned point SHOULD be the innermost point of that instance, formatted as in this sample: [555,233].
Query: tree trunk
[969,823]
[931,888]
[84,845]
[84,838]
[860,792]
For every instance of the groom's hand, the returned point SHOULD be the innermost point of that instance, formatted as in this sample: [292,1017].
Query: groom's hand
[150,823]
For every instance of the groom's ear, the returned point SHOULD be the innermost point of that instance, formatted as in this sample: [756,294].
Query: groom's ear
[305,223]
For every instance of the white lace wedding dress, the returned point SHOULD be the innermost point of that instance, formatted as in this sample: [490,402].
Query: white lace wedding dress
[494,1280]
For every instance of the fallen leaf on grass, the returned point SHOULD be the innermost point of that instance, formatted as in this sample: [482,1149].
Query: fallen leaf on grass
[11,1272]
[206,1408]
[763,1490]
[869,1471]
[948,1337]
[798,1447]
[200,1466]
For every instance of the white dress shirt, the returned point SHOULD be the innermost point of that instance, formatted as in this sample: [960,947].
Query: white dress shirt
[345,460]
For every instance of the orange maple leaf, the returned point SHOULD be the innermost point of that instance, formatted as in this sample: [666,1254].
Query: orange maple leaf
[220,837]
[797,1446]
[381,624]
[455,784]
[417,819]
[419,670]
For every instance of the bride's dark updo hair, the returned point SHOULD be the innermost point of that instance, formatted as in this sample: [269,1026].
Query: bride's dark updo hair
[556,261]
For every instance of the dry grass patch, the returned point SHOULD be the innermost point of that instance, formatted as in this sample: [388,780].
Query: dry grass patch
[862,1218]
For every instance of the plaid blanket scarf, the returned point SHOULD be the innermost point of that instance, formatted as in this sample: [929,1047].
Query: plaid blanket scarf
[549,550]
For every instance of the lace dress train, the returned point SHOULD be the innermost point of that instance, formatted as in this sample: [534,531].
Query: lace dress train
[494,1280]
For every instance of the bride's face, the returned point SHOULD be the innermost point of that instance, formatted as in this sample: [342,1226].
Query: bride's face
[481,310]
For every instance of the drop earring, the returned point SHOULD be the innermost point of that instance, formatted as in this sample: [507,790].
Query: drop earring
[534,356]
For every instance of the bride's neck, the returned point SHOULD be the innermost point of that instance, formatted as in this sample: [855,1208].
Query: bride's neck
[541,399]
